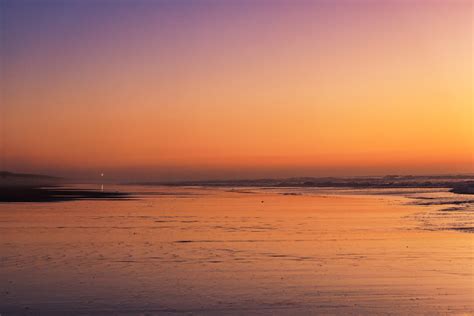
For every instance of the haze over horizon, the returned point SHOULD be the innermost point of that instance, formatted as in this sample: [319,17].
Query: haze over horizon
[202,174]
[172,90]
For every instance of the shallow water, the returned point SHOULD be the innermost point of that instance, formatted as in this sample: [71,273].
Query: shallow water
[240,251]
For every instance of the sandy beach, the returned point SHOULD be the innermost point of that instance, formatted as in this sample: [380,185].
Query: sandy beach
[240,251]
[244,157]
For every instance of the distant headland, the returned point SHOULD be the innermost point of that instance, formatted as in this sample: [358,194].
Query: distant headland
[23,187]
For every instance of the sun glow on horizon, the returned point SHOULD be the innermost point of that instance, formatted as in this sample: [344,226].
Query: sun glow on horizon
[250,88]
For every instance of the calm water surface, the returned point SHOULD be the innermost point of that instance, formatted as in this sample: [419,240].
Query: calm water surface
[242,251]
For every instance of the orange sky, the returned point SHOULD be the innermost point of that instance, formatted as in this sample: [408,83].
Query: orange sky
[244,89]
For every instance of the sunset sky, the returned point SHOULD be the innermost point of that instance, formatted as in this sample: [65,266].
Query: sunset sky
[236,89]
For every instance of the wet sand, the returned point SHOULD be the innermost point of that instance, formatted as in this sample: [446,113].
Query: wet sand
[243,251]
[27,193]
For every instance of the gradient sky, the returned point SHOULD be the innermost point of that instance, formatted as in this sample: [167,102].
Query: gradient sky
[222,89]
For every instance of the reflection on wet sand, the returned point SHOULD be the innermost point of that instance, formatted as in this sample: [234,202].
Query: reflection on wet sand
[215,251]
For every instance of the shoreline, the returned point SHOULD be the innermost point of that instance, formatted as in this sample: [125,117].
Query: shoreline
[12,194]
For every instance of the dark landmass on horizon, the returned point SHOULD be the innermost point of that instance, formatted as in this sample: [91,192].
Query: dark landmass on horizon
[13,179]
[8,174]
[20,187]
[52,194]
